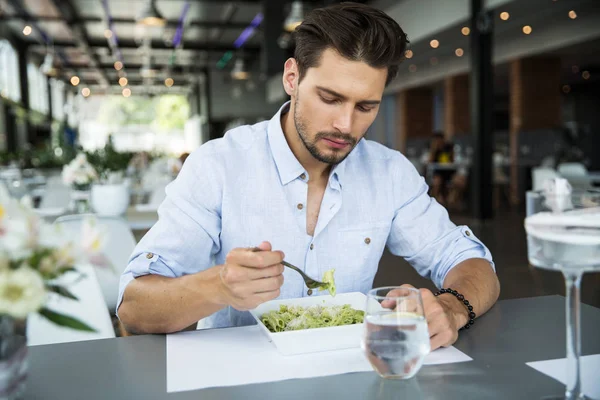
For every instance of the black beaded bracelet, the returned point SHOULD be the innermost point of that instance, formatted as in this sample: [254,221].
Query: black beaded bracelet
[464,301]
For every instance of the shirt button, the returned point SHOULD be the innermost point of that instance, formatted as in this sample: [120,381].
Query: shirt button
[149,256]
[312,246]
[300,206]
[303,176]
[467,233]
[367,240]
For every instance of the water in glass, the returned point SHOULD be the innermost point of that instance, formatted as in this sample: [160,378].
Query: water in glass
[396,338]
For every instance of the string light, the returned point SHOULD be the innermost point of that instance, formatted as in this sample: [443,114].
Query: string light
[75,80]
[169,82]
[123,81]
[434,43]
[85,92]
[527,29]
[504,16]
[459,52]
[585,75]
[27,30]
[566,89]
[118,65]
[126,92]
[408,54]
[108,33]
[572,14]
[465,30]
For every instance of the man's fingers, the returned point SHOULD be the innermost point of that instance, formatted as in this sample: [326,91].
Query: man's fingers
[436,342]
[261,285]
[261,273]
[254,259]
[267,296]
[391,303]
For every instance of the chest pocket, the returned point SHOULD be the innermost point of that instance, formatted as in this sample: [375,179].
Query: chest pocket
[360,250]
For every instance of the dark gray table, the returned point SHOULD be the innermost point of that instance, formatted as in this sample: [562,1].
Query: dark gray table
[501,342]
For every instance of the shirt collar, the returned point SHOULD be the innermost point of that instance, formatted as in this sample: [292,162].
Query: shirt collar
[287,164]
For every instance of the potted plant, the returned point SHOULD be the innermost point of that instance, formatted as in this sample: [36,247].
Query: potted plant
[110,195]
[33,254]
[79,174]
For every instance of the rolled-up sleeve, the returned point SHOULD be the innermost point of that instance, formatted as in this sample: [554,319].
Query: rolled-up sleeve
[422,232]
[186,236]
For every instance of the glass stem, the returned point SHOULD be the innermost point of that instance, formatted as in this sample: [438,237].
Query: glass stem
[573,282]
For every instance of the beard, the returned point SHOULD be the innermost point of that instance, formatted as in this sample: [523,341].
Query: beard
[335,156]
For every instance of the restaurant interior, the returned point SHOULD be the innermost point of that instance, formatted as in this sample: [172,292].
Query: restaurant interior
[102,102]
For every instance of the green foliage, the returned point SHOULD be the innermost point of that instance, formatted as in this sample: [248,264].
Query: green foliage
[65,320]
[172,112]
[165,112]
[62,291]
[108,160]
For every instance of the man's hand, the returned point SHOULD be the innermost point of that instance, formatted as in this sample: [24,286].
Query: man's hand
[445,316]
[251,277]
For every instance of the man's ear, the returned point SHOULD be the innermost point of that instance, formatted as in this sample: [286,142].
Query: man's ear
[290,76]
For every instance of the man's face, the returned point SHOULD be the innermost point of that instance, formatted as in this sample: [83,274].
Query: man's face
[334,105]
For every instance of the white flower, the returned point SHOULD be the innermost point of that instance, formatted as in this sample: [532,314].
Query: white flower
[79,171]
[92,244]
[22,292]
[19,227]
[92,238]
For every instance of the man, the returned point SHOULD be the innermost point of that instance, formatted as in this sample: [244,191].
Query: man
[304,183]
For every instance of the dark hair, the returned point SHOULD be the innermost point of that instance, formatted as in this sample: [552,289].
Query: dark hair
[356,31]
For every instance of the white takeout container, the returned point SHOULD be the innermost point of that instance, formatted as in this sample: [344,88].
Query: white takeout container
[315,339]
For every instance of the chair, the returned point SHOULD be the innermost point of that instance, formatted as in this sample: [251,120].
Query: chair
[157,196]
[56,195]
[575,173]
[119,244]
[540,175]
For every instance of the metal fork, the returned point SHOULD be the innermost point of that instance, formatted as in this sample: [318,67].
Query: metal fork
[308,281]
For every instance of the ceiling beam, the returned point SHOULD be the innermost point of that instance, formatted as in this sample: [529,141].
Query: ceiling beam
[170,23]
[80,34]
[110,67]
[159,44]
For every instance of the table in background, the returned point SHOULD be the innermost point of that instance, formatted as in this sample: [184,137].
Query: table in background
[501,342]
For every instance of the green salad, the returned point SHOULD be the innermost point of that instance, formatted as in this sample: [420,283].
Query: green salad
[292,318]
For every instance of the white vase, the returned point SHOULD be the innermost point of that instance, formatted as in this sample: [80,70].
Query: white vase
[110,200]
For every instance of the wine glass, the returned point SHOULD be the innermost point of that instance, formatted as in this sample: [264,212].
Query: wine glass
[396,338]
[563,234]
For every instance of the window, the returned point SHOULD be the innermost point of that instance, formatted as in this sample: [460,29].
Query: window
[10,86]
[57,88]
[38,89]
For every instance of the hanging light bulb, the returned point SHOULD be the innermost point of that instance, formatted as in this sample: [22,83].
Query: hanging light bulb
[295,17]
[150,16]
[239,70]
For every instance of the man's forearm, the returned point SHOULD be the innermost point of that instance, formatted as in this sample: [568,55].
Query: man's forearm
[157,304]
[476,280]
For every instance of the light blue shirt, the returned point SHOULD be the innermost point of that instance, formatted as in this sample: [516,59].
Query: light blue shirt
[248,187]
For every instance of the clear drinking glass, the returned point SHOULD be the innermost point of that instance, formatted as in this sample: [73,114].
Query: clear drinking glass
[563,234]
[396,338]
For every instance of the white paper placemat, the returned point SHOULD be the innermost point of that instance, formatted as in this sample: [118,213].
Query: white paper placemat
[590,377]
[240,356]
